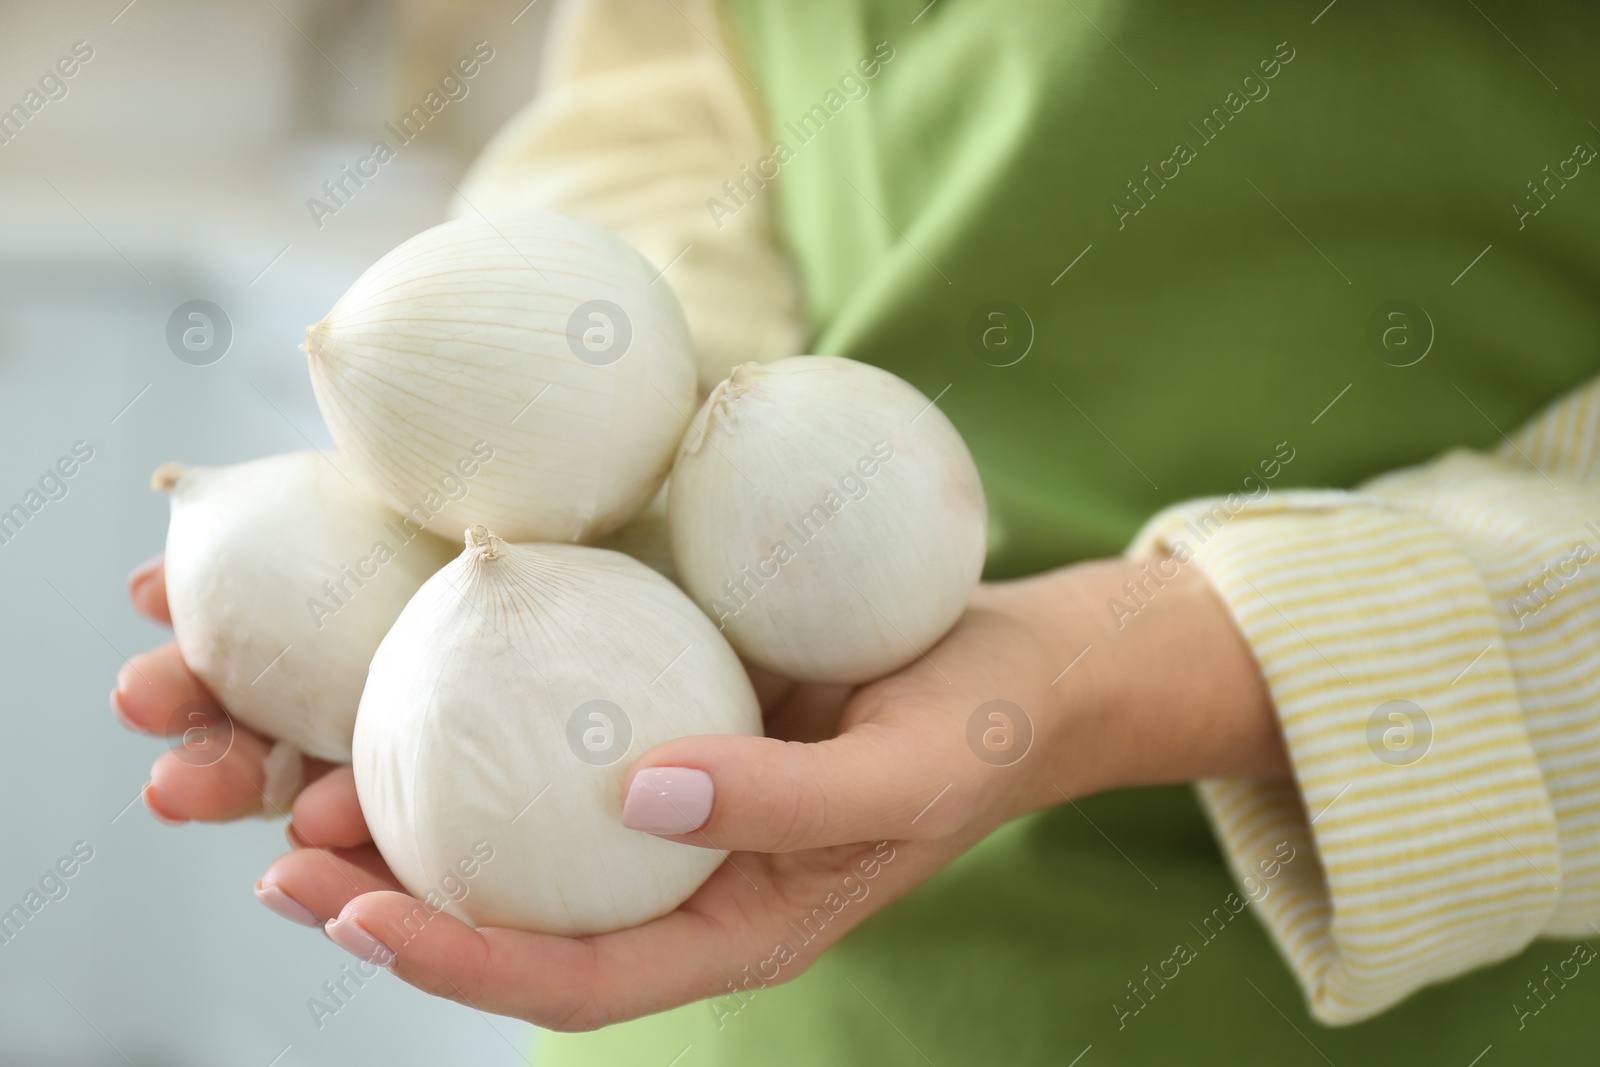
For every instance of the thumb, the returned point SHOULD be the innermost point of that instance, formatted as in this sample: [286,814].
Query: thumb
[759,794]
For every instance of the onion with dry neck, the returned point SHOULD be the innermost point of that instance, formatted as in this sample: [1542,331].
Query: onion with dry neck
[282,577]
[504,709]
[547,338]
[828,516]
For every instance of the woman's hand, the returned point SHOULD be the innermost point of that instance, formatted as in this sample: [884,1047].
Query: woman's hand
[1038,695]
[217,769]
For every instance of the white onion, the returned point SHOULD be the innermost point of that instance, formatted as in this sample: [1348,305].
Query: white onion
[282,577]
[828,516]
[546,339]
[504,709]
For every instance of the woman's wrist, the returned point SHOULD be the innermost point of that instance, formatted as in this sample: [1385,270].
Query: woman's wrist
[1191,694]
[1162,686]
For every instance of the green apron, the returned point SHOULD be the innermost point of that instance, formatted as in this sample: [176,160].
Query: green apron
[1133,249]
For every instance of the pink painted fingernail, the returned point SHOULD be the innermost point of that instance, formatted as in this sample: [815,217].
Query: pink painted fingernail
[281,903]
[161,816]
[668,800]
[348,935]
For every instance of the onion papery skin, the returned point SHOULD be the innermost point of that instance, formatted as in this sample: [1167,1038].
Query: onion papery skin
[283,574]
[458,375]
[828,516]
[474,734]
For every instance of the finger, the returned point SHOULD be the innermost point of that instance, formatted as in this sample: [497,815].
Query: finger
[706,947]
[215,775]
[217,771]
[310,886]
[546,979]
[327,813]
[147,588]
[878,780]
[157,694]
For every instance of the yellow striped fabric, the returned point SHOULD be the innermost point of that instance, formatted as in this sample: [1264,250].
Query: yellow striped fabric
[1430,643]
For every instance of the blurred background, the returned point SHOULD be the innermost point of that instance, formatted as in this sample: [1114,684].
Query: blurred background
[175,165]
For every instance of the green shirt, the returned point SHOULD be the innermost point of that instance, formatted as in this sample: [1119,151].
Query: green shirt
[1141,253]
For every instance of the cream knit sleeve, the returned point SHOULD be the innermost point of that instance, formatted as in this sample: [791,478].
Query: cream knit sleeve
[645,113]
[1432,644]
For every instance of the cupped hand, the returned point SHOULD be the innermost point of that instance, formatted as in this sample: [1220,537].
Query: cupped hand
[1038,695]
[216,769]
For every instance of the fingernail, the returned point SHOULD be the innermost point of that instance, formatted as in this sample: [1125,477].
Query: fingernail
[161,817]
[348,935]
[281,903]
[120,712]
[667,800]
[142,574]
[125,676]
[294,837]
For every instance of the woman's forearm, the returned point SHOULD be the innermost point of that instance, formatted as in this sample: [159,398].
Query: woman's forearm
[1161,685]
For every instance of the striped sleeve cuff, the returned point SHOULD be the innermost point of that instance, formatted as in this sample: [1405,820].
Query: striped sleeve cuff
[1426,838]
[1563,441]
